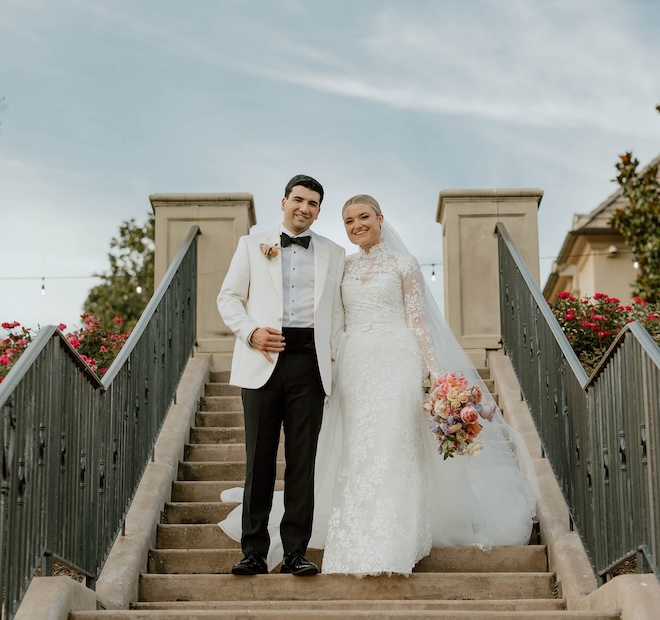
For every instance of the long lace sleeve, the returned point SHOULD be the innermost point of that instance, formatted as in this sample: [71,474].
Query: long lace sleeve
[413,297]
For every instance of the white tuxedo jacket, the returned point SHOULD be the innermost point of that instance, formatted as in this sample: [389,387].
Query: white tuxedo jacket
[251,296]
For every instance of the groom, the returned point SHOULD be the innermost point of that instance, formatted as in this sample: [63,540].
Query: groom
[281,299]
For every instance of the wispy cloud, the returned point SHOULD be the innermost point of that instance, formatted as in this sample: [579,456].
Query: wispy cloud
[549,64]
[555,63]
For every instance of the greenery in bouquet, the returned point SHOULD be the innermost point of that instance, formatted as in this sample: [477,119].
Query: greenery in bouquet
[592,323]
[96,345]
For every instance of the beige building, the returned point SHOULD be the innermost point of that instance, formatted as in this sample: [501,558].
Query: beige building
[594,257]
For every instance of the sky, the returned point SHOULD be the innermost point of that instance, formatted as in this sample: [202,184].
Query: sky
[105,103]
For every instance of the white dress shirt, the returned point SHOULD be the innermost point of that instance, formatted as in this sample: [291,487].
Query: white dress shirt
[298,283]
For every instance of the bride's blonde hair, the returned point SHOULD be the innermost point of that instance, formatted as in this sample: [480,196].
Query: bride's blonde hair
[363,199]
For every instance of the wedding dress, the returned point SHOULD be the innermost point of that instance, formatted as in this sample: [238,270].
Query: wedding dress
[379,520]
[383,494]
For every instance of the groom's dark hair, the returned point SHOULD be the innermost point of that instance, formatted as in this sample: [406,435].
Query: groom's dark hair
[305,181]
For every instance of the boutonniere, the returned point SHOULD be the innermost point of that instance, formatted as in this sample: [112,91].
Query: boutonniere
[269,251]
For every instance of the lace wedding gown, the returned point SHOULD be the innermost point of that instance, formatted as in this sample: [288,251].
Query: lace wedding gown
[379,520]
[383,494]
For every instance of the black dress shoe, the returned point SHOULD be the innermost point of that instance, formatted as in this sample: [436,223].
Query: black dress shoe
[251,564]
[297,564]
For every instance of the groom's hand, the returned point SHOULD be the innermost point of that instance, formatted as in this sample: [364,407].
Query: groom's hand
[267,339]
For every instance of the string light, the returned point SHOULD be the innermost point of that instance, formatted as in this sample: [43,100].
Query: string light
[44,278]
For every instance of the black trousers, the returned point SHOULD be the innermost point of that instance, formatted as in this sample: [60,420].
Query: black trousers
[293,397]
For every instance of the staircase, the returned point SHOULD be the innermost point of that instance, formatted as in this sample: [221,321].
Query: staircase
[189,570]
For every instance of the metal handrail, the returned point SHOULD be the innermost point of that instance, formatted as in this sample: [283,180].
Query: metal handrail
[601,432]
[74,448]
[151,308]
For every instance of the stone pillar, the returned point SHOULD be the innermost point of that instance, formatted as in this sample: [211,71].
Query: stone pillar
[222,219]
[470,261]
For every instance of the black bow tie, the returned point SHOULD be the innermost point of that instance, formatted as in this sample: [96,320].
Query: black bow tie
[286,241]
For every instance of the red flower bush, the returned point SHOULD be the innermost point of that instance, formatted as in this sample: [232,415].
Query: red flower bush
[97,346]
[592,324]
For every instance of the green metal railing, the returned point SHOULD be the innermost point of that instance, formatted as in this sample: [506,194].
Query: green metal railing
[74,448]
[601,434]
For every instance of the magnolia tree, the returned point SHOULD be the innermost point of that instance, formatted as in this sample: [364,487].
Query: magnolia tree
[639,223]
[129,284]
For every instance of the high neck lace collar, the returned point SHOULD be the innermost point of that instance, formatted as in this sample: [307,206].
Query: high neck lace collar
[375,250]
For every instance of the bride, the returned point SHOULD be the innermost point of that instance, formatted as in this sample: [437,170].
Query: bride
[383,494]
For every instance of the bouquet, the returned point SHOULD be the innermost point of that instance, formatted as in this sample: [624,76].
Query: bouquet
[454,408]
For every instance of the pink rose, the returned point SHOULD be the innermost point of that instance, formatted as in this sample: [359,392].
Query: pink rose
[454,380]
[4,360]
[469,414]
[442,389]
[451,380]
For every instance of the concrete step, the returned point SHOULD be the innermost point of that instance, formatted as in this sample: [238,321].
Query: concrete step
[193,561]
[219,377]
[278,587]
[222,453]
[207,490]
[220,403]
[546,604]
[529,558]
[220,419]
[193,536]
[441,560]
[195,470]
[221,389]
[464,612]
[196,512]
[217,435]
